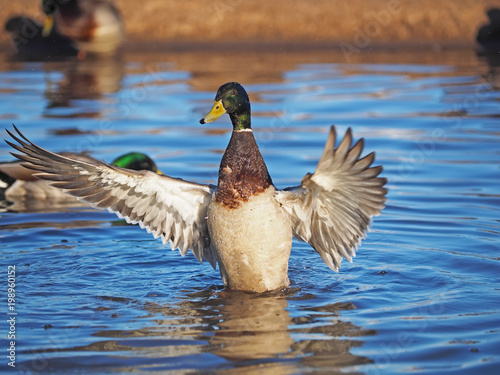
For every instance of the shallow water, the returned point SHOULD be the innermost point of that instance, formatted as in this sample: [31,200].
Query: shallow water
[94,295]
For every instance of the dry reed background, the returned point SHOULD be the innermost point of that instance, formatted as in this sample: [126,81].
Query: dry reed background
[419,22]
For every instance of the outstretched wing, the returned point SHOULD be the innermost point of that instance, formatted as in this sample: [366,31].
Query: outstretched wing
[332,208]
[167,207]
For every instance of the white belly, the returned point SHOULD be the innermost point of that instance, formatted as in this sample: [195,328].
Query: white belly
[252,243]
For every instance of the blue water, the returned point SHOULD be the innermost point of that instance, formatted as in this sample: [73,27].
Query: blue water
[94,295]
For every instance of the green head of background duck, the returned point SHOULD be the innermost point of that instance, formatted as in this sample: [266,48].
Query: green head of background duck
[18,182]
[136,161]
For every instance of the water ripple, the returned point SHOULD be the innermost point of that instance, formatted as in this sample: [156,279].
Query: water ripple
[96,295]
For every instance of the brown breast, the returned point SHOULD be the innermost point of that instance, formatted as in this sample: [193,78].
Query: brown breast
[242,171]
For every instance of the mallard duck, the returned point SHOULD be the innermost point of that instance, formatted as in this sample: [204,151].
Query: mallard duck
[18,182]
[488,36]
[95,25]
[244,223]
[30,44]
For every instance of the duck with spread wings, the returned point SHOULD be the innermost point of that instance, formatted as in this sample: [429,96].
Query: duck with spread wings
[245,224]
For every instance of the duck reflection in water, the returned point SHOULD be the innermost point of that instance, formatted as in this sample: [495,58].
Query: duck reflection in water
[87,79]
[90,78]
[253,332]
[252,327]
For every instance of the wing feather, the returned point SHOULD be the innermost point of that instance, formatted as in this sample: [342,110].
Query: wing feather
[333,207]
[170,208]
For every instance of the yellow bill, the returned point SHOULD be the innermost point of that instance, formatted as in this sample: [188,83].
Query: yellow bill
[47,26]
[217,111]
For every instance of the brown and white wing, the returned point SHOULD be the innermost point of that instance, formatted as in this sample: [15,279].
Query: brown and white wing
[333,207]
[167,207]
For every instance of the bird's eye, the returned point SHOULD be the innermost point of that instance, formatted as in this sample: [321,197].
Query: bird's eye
[233,92]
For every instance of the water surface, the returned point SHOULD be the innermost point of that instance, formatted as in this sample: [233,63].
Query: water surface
[95,295]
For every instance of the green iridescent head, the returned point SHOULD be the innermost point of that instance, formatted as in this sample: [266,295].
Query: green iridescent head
[232,99]
[136,161]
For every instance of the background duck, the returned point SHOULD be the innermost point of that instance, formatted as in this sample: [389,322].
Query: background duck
[94,25]
[18,182]
[31,45]
[488,36]
[244,223]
